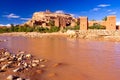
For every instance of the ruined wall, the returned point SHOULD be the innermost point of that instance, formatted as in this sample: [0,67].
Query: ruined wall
[83,23]
[103,23]
[110,23]
[91,23]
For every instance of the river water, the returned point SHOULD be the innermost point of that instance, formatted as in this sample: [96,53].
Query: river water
[82,60]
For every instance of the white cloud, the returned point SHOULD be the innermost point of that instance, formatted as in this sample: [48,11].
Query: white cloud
[109,10]
[12,15]
[25,19]
[96,9]
[73,15]
[59,11]
[112,13]
[104,5]
[5,25]
[118,23]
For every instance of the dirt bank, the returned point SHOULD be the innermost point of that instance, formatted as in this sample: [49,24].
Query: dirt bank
[102,35]
[33,34]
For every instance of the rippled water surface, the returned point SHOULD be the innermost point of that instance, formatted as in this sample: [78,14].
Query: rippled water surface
[83,60]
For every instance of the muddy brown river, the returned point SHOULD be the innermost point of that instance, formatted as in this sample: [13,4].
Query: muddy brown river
[82,60]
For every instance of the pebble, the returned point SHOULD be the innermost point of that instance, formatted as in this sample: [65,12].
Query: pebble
[3,59]
[39,71]
[43,60]
[20,59]
[28,56]
[35,61]
[10,77]
[7,54]
[51,74]
[19,79]
[3,40]
[4,66]
[34,64]
[42,66]
[10,62]
[25,65]
[18,69]
[21,52]
[57,64]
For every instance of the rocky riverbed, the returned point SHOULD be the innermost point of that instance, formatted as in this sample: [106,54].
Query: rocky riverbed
[22,66]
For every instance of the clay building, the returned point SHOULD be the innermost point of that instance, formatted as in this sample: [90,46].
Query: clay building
[47,18]
[62,20]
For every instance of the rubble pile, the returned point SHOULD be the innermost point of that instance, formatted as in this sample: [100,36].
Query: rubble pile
[18,63]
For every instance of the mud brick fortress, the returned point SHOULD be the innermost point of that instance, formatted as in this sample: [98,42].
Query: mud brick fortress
[62,20]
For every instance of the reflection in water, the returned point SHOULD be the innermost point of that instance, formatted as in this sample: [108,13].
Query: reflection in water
[86,60]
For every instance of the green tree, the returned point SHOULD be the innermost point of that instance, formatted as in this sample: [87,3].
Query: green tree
[105,18]
[12,28]
[93,20]
[96,26]
[54,29]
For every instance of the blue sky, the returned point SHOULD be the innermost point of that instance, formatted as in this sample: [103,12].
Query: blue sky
[19,11]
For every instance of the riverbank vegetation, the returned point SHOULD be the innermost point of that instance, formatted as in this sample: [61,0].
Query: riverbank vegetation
[96,26]
[27,28]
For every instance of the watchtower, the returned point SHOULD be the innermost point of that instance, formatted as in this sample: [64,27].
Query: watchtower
[111,23]
[83,23]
